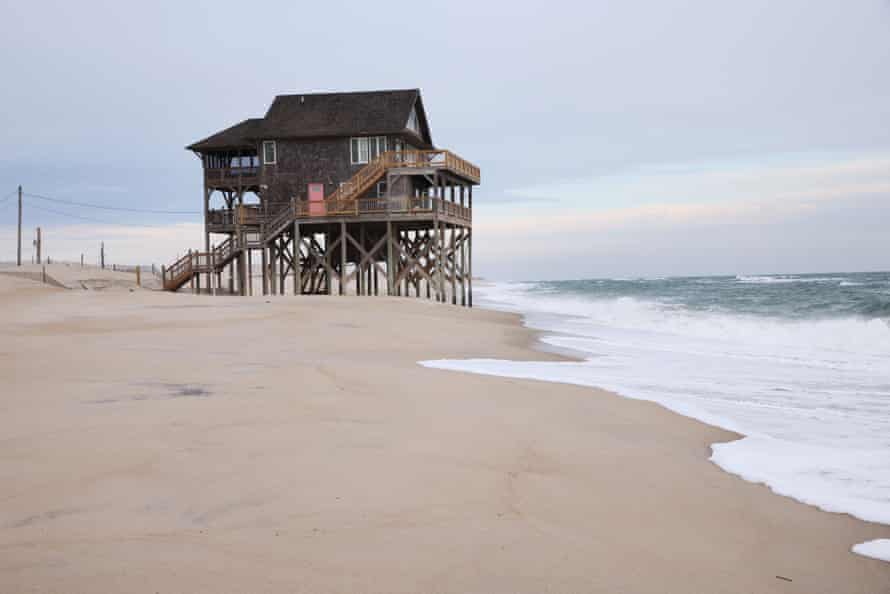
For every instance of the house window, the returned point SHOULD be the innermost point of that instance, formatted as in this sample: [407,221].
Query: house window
[270,152]
[366,148]
[413,123]
[381,189]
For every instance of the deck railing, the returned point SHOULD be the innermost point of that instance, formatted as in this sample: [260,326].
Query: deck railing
[247,214]
[178,272]
[435,159]
[231,173]
[373,206]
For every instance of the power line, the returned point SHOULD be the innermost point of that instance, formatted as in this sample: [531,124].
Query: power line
[8,196]
[92,220]
[104,207]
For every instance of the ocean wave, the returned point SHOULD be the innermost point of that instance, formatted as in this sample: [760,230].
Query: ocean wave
[812,396]
[784,279]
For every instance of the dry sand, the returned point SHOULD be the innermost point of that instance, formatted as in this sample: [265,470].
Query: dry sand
[152,442]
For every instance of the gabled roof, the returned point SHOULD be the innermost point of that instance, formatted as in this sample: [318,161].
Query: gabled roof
[237,136]
[319,115]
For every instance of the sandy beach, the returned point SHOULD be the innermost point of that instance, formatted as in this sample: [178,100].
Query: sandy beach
[156,442]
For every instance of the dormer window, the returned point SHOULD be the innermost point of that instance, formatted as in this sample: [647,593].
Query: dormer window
[413,123]
[270,152]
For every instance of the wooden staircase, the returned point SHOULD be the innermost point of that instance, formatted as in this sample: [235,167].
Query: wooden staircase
[361,182]
[337,201]
[185,268]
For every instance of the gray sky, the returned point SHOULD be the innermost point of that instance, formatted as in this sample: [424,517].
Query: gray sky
[625,138]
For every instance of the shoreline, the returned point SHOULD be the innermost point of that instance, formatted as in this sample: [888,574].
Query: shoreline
[877,549]
[197,443]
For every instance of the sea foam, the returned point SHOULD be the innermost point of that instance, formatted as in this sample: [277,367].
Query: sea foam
[810,396]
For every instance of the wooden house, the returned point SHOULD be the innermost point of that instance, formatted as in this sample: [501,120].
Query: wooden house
[331,191]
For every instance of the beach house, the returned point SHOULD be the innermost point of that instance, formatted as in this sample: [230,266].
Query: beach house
[333,193]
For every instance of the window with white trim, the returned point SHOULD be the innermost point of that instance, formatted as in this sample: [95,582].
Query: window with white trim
[366,148]
[270,152]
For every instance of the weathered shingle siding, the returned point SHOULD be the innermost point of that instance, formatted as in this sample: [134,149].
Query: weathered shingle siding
[301,162]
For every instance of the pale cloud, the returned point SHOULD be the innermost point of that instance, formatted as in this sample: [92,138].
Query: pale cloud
[775,177]
[662,212]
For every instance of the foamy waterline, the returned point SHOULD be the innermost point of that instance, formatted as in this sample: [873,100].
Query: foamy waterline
[810,397]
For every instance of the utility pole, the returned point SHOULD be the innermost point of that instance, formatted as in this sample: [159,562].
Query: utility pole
[18,258]
[102,255]
[38,246]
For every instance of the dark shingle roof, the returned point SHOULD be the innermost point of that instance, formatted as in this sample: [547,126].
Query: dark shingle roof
[237,136]
[315,115]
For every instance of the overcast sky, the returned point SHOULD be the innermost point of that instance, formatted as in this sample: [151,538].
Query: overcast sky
[615,138]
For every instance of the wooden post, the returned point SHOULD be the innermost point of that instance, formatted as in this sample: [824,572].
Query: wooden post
[102,255]
[242,273]
[453,261]
[207,193]
[232,273]
[279,251]
[463,262]
[192,272]
[271,264]
[440,261]
[390,276]
[18,259]
[406,241]
[342,257]
[360,271]
[470,250]
[44,275]
[264,267]
[298,264]
[163,276]
[328,268]
[470,268]
[138,277]
[249,273]
[81,261]
[39,259]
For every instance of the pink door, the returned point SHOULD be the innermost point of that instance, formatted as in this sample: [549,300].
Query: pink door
[316,200]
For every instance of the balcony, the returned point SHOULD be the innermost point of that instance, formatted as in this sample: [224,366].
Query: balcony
[431,160]
[232,177]
[225,220]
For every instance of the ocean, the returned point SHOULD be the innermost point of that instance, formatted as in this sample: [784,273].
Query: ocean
[798,364]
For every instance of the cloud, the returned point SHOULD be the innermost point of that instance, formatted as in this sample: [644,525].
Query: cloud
[715,181]
[668,219]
